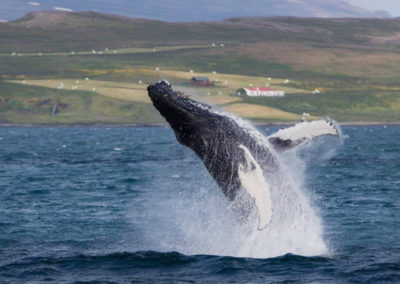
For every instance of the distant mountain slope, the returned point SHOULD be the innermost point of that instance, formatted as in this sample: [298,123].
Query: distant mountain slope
[194,10]
[55,31]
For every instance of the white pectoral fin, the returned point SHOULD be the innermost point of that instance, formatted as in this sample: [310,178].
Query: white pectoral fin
[288,138]
[253,181]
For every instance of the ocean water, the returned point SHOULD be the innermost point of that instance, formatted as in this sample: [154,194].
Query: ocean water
[128,205]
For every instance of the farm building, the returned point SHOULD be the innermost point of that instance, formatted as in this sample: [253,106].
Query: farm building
[260,92]
[200,81]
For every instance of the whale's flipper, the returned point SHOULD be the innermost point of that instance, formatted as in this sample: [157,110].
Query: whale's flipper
[289,138]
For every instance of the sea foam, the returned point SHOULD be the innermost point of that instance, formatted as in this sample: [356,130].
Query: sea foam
[195,218]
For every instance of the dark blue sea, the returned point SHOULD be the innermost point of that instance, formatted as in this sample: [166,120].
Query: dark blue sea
[131,205]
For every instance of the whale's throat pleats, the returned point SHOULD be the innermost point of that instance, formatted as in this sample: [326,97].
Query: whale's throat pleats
[253,181]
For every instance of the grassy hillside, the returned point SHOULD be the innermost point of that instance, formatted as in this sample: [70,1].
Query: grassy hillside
[128,87]
[33,105]
[352,62]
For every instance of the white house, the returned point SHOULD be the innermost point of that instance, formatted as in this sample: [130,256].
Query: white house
[260,92]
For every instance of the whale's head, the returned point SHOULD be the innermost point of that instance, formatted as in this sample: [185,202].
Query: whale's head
[185,116]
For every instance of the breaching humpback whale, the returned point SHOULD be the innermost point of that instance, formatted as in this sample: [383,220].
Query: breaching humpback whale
[241,160]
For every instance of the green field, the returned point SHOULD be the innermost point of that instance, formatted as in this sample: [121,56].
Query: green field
[353,63]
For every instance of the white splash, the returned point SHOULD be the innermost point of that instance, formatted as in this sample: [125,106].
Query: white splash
[194,217]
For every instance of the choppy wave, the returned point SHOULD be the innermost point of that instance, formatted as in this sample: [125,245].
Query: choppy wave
[145,266]
[118,216]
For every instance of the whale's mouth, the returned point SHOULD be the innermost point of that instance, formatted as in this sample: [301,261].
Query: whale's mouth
[172,105]
[160,91]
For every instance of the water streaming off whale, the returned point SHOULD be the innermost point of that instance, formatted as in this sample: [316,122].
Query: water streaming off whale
[199,220]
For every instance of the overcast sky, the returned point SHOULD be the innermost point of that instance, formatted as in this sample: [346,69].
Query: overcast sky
[391,6]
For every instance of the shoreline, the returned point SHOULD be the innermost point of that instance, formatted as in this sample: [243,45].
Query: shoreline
[150,125]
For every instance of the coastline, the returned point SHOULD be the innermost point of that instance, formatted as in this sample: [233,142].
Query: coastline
[143,125]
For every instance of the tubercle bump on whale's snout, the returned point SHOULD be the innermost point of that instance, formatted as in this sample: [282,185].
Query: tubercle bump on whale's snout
[159,86]
[162,83]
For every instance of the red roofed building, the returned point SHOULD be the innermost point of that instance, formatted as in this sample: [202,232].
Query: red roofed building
[200,81]
[260,92]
